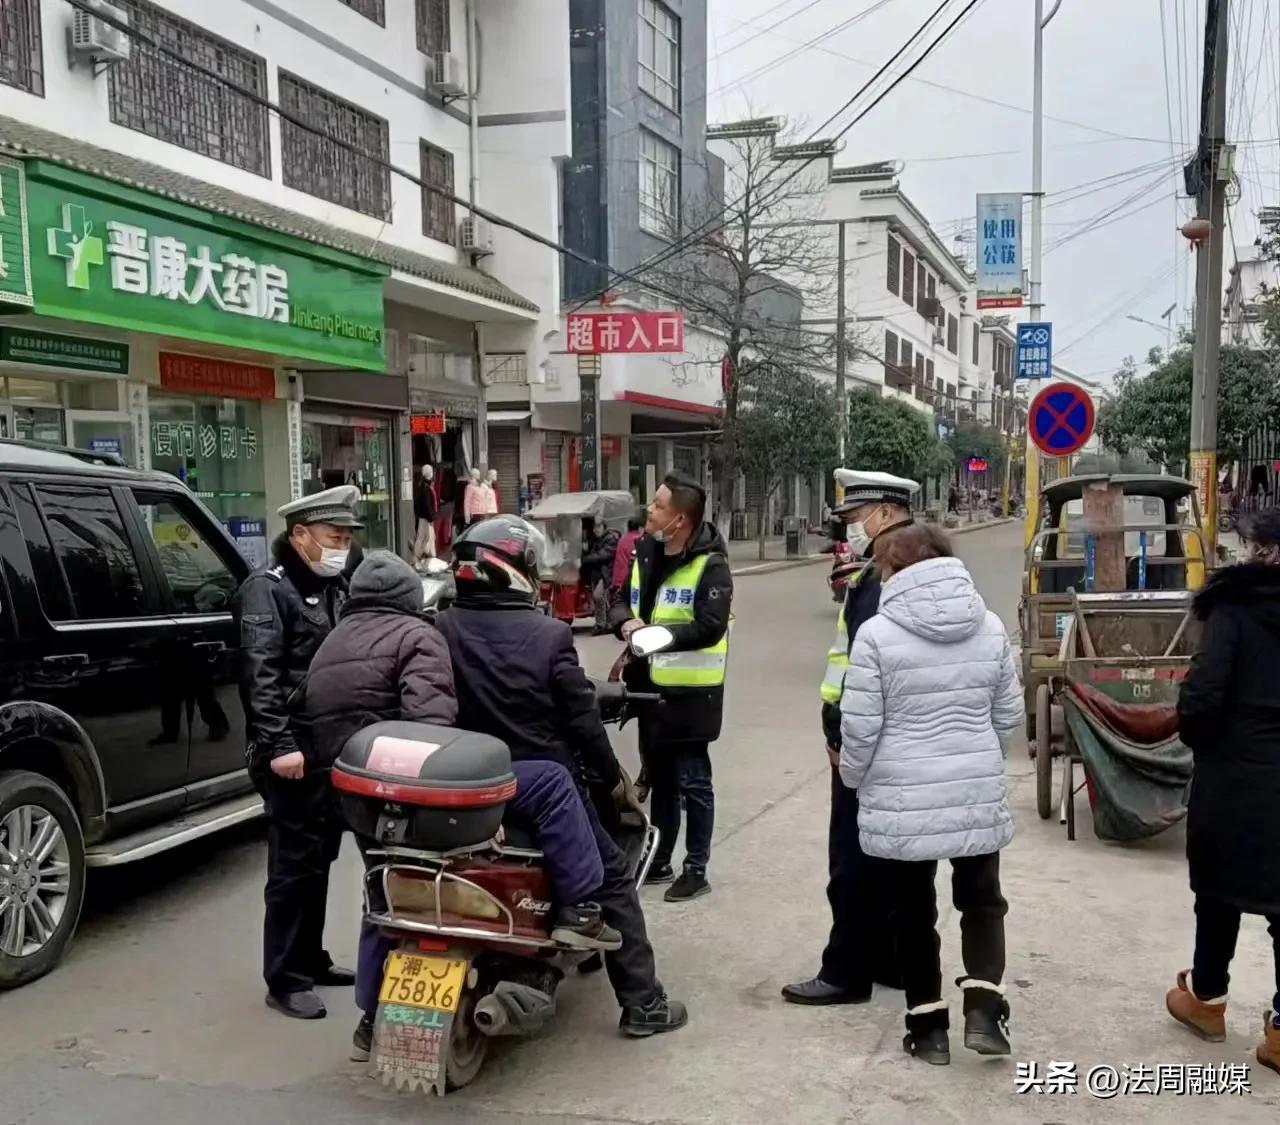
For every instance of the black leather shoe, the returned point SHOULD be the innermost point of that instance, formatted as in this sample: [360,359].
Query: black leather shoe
[362,1039]
[642,1020]
[336,975]
[659,873]
[817,991]
[297,1005]
[690,885]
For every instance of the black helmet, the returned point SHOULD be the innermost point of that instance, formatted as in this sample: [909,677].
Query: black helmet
[501,554]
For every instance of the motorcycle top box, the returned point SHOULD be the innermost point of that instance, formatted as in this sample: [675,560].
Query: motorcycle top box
[424,786]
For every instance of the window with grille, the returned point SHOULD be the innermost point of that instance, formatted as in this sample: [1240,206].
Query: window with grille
[908,276]
[660,54]
[922,287]
[21,60]
[977,341]
[659,185]
[317,159]
[890,349]
[953,335]
[433,26]
[893,267]
[371,9]
[158,95]
[439,218]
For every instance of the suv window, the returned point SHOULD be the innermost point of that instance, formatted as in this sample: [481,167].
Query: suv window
[89,542]
[51,586]
[200,580]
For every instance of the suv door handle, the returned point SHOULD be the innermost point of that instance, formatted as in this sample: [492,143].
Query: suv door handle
[209,648]
[67,660]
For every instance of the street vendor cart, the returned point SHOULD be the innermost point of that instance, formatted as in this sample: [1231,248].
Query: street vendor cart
[566,519]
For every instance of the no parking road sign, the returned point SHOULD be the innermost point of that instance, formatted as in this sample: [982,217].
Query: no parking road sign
[1060,420]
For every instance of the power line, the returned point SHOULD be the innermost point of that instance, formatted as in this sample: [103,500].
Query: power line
[768,197]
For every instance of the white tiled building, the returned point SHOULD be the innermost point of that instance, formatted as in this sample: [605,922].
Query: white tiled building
[471,96]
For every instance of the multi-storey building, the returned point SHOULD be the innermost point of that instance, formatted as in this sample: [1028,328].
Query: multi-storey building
[227,274]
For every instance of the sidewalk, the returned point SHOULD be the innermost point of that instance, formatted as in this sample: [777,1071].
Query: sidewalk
[744,554]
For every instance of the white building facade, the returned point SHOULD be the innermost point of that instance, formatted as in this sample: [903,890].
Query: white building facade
[176,116]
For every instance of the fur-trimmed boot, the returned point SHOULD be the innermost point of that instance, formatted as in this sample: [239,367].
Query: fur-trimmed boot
[986,1017]
[1206,1018]
[1268,1052]
[926,1037]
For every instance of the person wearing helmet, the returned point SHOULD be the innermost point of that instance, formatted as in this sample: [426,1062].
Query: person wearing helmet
[518,678]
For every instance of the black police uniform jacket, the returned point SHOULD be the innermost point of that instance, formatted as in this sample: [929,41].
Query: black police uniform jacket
[686,714]
[861,603]
[282,613]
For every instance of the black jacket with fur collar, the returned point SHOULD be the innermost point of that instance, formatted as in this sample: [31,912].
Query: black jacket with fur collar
[282,612]
[1229,714]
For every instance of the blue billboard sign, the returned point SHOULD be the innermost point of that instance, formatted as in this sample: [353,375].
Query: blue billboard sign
[1034,358]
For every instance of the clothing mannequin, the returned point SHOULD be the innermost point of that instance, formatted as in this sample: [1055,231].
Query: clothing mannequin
[426,507]
[489,492]
[472,501]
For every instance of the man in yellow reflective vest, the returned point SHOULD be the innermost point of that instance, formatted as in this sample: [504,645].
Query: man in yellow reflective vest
[859,951]
[680,578]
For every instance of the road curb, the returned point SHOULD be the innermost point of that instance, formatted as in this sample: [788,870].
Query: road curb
[769,567]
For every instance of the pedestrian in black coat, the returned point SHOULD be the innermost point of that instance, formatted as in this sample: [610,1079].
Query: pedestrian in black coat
[1229,715]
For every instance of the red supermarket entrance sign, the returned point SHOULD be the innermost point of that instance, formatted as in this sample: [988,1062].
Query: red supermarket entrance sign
[625,331]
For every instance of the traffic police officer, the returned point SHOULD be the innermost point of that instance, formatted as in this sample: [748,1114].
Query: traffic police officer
[859,950]
[679,578]
[283,613]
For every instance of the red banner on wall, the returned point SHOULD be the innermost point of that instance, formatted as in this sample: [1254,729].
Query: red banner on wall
[220,378]
[626,331]
[432,423]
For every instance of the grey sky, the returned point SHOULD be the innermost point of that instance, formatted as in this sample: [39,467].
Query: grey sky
[1103,70]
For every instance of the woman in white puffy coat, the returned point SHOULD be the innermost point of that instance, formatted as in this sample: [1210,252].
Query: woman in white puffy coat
[930,686]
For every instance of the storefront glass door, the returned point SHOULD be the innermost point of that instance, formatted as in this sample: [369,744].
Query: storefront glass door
[38,423]
[343,449]
[102,433]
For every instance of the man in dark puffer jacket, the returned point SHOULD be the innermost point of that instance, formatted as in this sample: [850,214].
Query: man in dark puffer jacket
[385,661]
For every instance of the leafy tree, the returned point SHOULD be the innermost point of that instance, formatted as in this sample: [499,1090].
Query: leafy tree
[787,424]
[1150,414]
[977,439]
[889,436]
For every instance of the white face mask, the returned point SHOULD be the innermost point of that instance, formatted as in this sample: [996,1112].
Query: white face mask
[664,535]
[333,561]
[857,538]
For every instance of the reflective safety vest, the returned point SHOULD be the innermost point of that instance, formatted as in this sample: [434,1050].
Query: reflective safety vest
[697,668]
[838,653]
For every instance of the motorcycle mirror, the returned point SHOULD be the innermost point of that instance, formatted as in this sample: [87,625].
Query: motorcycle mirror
[651,639]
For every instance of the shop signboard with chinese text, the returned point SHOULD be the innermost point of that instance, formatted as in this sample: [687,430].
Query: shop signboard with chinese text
[976,465]
[202,375]
[1034,358]
[625,331]
[431,422]
[108,254]
[999,257]
[53,349]
[15,252]
[589,405]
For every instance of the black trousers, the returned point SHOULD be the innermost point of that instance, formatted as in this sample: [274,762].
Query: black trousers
[304,832]
[679,774]
[975,891]
[631,969]
[860,949]
[1217,929]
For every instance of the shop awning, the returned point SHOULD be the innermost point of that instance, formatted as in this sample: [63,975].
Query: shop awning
[507,417]
[26,140]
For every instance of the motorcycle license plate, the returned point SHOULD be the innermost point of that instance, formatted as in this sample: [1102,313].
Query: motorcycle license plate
[416,981]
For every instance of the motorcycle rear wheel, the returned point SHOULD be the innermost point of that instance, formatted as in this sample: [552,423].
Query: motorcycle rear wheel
[468,1046]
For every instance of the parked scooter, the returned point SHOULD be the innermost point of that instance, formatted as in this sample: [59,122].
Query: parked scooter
[468,898]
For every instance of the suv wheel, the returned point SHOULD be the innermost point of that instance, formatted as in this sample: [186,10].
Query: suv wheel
[41,876]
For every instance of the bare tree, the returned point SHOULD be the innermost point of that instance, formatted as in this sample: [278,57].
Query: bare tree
[750,262]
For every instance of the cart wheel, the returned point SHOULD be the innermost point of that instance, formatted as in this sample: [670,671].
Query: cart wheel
[1044,753]
[1069,796]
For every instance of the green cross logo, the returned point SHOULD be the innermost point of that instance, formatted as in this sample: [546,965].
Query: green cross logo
[76,242]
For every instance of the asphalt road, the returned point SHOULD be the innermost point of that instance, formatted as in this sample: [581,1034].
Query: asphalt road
[157,1013]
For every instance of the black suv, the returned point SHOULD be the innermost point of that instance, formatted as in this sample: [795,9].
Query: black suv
[121,732]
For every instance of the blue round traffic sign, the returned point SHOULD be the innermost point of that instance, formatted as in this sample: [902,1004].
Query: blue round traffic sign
[1060,419]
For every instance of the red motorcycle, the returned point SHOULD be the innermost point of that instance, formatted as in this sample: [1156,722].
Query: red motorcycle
[466,897]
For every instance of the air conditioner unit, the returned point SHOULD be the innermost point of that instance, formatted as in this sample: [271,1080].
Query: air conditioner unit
[939,339]
[475,236]
[92,38]
[446,76]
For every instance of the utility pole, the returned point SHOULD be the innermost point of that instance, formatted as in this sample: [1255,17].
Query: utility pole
[1031,463]
[842,395]
[1208,334]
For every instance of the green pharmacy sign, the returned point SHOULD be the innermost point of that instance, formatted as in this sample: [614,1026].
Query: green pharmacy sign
[109,254]
[15,258]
